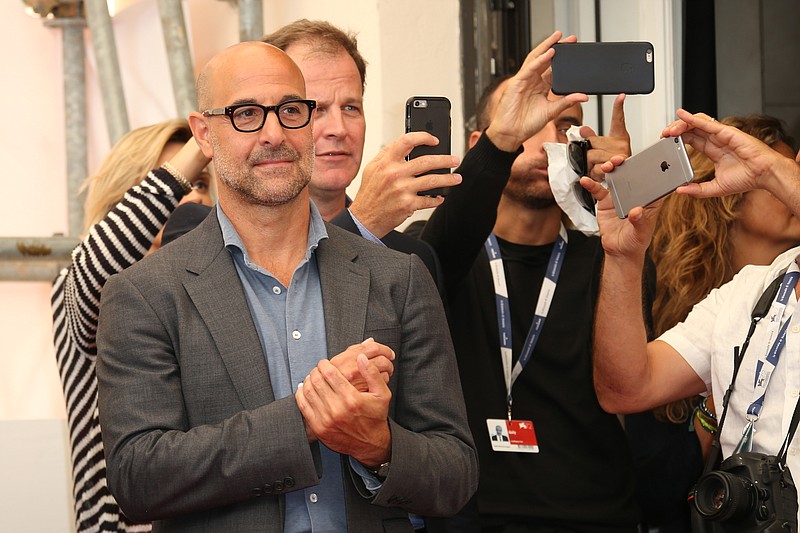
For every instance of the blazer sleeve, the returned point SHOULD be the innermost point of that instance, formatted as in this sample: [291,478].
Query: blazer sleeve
[152,440]
[434,467]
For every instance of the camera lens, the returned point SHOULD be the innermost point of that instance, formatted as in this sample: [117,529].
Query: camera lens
[721,496]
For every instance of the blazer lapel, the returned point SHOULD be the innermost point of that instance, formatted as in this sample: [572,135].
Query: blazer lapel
[345,292]
[217,293]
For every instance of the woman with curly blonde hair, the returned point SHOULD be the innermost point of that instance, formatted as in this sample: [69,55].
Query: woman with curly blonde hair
[698,245]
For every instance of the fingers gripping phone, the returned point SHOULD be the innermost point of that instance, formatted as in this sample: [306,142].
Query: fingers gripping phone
[649,175]
[603,68]
[431,114]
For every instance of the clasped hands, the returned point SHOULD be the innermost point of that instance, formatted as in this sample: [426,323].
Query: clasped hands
[345,402]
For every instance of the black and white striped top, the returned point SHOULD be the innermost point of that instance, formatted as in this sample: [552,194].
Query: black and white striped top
[112,245]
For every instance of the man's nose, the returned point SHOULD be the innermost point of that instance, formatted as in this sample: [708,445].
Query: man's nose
[331,125]
[272,132]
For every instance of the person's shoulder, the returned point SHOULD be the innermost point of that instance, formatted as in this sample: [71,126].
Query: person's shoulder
[366,250]
[173,258]
[407,244]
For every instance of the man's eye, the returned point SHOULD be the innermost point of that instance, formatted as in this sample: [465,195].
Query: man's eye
[290,109]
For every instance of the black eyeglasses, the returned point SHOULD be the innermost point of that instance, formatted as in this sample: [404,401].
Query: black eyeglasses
[576,155]
[247,118]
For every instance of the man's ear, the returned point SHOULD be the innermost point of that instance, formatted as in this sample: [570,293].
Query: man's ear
[199,126]
[473,138]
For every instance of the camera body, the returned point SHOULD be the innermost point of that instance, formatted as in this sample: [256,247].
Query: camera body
[749,492]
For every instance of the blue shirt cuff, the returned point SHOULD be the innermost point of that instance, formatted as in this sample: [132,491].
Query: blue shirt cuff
[367,234]
[372,483]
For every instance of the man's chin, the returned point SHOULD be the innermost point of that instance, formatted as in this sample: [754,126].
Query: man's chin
[331,180]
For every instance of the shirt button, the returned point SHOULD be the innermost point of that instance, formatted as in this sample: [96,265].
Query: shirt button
[313,497]
[796,329]
[296,335]
[795,393]
[792,451]
[276,289]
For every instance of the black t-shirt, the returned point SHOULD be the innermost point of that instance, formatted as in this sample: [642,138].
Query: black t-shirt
[582,474]
[582,478]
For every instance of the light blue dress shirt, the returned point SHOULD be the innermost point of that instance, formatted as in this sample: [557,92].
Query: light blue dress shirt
[291,326]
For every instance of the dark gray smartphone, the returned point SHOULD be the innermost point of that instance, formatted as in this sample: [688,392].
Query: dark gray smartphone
[603,68]
[649,175]
[431,114]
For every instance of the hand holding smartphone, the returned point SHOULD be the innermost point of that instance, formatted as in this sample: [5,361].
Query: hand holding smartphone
[430,114]
[649,175]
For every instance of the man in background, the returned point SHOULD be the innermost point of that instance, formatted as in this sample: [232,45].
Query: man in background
[521,293]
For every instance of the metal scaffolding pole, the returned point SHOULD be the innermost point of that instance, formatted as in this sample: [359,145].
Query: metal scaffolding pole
[105,51]
[180,61]
[74,53]
[251,20]
[34,259]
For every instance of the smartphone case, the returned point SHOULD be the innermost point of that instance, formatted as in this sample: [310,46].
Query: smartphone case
[603,68]
[431,114]
[649,175]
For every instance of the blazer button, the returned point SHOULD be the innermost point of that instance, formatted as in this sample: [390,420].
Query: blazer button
[288,482]
[257,492]
[278,486]
[267,489]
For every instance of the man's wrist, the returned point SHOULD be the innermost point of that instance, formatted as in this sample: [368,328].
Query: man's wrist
[503,141]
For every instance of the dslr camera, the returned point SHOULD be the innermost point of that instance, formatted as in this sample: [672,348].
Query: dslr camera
[749,492]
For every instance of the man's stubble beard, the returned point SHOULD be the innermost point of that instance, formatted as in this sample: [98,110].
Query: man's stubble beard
[531,194]
[280,187]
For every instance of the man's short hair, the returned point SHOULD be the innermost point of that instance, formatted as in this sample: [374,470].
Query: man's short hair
[482,111]
[323,37]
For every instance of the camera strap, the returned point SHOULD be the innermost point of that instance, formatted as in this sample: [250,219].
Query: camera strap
[760,310]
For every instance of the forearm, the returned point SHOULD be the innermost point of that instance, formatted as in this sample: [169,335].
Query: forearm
[120,239]
[620,336]
[784,183]
[458,228]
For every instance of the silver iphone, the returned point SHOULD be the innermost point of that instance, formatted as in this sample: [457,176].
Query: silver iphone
[649,175]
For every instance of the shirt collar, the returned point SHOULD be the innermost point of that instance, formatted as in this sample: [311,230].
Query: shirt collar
[316,231]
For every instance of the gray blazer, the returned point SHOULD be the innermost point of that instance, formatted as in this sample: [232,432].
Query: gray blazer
[193,436]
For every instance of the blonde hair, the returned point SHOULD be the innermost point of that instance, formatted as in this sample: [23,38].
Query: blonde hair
[127,164]
[691,246]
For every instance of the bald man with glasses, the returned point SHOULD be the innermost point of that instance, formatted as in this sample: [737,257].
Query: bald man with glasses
[269,371]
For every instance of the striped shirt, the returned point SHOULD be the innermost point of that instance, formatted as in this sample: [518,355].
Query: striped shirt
[123,237]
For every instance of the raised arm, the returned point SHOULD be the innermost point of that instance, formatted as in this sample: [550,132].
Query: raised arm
[458,228]
[741,162]
[630,374]
[120,239]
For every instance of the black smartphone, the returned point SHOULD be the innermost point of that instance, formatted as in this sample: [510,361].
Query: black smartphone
[649,175]
[431,114]
[603,68]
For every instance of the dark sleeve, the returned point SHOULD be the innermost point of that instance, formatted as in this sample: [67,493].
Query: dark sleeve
[458,228]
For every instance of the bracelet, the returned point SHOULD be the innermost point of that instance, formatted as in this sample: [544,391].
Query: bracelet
[178,175]
[706,411]
[708,425]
